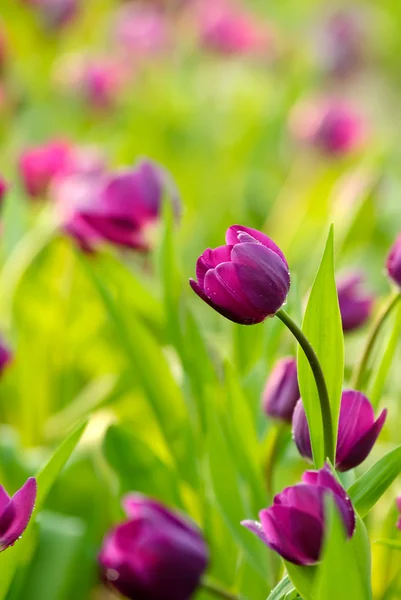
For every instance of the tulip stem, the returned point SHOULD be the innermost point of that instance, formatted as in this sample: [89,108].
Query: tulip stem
[359,374]
[217,590]
[327,420]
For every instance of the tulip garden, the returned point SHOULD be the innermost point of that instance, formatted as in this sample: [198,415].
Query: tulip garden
[200,285]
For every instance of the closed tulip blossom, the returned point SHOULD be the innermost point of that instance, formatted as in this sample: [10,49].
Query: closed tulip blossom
[6,355]
[226,29]
[393,264]
[55,14]
[3,189]
[294,526]
[331,126]
[40,164]
[127,204]
[281,392]
[155,555]
[342,43]
[15,512]
[355,304]
[357,430]
[247,280]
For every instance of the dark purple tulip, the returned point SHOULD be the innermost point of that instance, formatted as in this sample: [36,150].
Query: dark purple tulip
[355,304]
[6,355]
[394,262]
[128,202]
[155,555]
[294,526]
[246,280]
[357,430]
[281,392]
[16,512]
[342,43]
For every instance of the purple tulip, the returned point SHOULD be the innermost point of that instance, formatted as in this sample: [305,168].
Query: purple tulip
[355,304]
[55,13]
[16,512]
[331,126]
[40,164]
[246,280]
[357,430]
[126,204]
[156,554]
[3,189]
[295,525]
[394,262]
[6,356]
[281,392]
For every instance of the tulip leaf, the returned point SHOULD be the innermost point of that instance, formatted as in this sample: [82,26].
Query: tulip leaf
[281,590]
[322,326]
[303,579]
[370,487]
[344,571]
[392,544]
[12,557]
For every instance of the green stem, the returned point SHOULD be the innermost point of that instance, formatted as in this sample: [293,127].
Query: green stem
[217,590]
[317,371]
[359,373]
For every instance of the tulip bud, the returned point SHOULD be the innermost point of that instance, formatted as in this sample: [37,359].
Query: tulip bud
[394,262]
[129,203]
[155,554]
[55,14]
[355,305]
[226,30]
[357,430]
[295,525]
[6,356]
[39,165]
[3,189]
[331,126]
[16,512]
[246,280]
[281,392]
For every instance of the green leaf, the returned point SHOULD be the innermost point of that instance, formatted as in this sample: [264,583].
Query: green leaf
[303,579]
[370,487]
[138,467]
[282,589]
[322,326]
[393,544]
[12,557]
[344,571]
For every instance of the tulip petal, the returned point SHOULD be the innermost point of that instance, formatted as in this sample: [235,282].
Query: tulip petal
[300,431]
[355,420]
[4,499]
[256,528]
[240,234]
[21,507]
[210,259]
[263,276]
[226,313]
[357,453]
[306,498]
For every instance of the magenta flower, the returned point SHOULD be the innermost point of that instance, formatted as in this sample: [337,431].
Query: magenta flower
[40,164]
[393,264]
[355,304]
[16,512]
[141,30]
[155,554]
[281,392]
[127,203]
[331,126]
[6,355]
[398,503]
[3,189]
[357,430]
[246,280]
[294,526]
[227,30]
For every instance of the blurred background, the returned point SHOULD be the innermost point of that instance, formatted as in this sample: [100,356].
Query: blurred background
[283,116]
